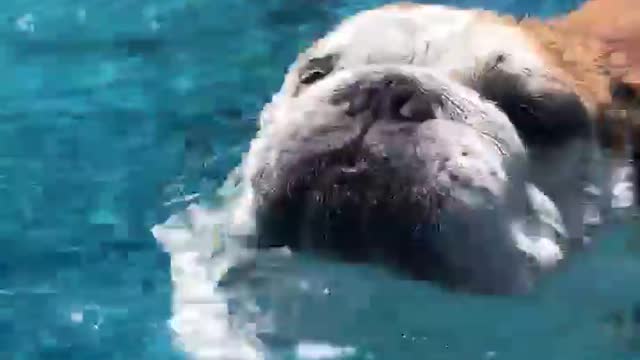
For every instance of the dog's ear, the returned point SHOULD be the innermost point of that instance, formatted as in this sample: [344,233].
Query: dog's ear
[615,26]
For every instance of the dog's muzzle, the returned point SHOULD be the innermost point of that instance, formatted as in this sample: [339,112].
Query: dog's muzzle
[397,165]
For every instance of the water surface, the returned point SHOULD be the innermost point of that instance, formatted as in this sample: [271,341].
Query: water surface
[116,113]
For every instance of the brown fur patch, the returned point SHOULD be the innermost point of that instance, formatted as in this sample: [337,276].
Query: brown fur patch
[615,25]
[596,49]
[575,58]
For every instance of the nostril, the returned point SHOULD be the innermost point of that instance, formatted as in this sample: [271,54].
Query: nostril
[359,103]
[406,111]
[418,109]
[392,98]
[405,101]
[398,100]
[389,82]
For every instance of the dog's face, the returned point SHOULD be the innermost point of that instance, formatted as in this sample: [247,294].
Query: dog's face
[380,161]
[412,135]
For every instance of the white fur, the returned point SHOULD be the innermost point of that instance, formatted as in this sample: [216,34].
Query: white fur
[445,39]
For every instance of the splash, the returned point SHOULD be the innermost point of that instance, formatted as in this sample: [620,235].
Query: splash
[202,249]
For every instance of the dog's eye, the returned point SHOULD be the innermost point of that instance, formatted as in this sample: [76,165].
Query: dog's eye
[316,69]
[542,119]
[311,76]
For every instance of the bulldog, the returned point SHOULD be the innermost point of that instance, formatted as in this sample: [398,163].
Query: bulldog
[459,146]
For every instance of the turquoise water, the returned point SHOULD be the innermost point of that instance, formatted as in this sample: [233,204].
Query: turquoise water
[112,110]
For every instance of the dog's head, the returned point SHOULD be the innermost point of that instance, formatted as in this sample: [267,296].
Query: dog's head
[426,137]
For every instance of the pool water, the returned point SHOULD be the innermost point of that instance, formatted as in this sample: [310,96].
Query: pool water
[116,114]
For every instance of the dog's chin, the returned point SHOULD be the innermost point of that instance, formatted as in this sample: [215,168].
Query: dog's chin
[348,210]
[375,214]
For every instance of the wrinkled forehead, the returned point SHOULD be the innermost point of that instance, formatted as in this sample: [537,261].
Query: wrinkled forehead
[386,35]
[451,40]
[391,29]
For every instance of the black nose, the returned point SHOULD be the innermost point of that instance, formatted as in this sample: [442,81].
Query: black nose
[392,97]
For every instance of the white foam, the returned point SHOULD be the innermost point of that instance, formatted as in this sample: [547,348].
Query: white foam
[77,316]
[622,187]
[26,23]
[546,210]
[318,351]
[201,319]
[539,234]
